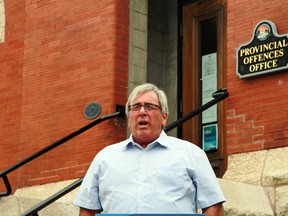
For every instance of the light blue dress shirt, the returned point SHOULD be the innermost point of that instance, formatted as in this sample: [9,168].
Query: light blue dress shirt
[169,176]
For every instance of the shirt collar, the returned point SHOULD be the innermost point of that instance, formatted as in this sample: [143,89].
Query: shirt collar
[162,140]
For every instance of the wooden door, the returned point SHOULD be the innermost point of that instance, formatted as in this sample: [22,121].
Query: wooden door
[203,71]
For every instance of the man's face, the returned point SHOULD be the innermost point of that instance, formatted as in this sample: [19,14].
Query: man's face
[146,125]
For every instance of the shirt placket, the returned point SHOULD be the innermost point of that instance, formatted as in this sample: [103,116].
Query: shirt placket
[141,178]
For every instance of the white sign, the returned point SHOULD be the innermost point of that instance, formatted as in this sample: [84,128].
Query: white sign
[209,86]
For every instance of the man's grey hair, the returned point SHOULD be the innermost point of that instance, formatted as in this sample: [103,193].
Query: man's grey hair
[148,87]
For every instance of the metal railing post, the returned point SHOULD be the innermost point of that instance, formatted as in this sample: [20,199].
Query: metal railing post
[7,185]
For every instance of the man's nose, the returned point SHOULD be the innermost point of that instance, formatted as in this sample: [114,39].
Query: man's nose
[142,109]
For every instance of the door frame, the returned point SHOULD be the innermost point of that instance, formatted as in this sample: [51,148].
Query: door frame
[192,12]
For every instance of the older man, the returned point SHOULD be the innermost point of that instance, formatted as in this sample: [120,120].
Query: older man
[150,172]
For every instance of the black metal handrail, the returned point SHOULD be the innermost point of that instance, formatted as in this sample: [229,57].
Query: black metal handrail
[3,174]
[218,96]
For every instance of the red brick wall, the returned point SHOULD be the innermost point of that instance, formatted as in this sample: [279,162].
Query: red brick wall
[257,109]
[11,68]
[57,57]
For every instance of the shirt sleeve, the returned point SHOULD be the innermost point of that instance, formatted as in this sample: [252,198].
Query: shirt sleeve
[207,186]
[88,194]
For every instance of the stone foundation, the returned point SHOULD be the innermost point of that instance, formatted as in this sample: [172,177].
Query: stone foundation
[267,169]
[255,184]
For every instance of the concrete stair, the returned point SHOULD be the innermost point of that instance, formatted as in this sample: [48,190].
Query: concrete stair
[242,199]
[25,198]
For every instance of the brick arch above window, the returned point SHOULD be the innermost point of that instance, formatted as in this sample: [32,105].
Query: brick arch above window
[2,21]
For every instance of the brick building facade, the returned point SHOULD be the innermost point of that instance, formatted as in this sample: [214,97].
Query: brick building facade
[256,109]
[58,56]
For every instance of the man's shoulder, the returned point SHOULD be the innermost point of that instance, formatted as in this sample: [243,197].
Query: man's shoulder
[182,144]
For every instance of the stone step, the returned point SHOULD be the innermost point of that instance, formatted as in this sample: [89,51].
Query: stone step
[26,198]
[9,206]
[245,199]
[242,199]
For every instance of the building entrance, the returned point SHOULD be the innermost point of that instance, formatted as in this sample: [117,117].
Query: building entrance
[203,72]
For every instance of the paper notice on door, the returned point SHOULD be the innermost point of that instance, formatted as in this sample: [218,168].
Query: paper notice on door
[209,86]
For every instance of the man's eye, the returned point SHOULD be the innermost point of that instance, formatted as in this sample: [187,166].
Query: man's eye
[149,106]
[135,107]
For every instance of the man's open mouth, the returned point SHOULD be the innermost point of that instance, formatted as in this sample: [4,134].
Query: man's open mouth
[143,123]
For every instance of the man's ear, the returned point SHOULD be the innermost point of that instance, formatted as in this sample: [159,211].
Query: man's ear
[165,117]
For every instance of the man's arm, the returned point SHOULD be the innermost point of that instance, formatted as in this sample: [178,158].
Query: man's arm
[214,210]
[88,212]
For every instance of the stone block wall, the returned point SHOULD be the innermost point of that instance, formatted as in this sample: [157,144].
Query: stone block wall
[266,169]
[153,48]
